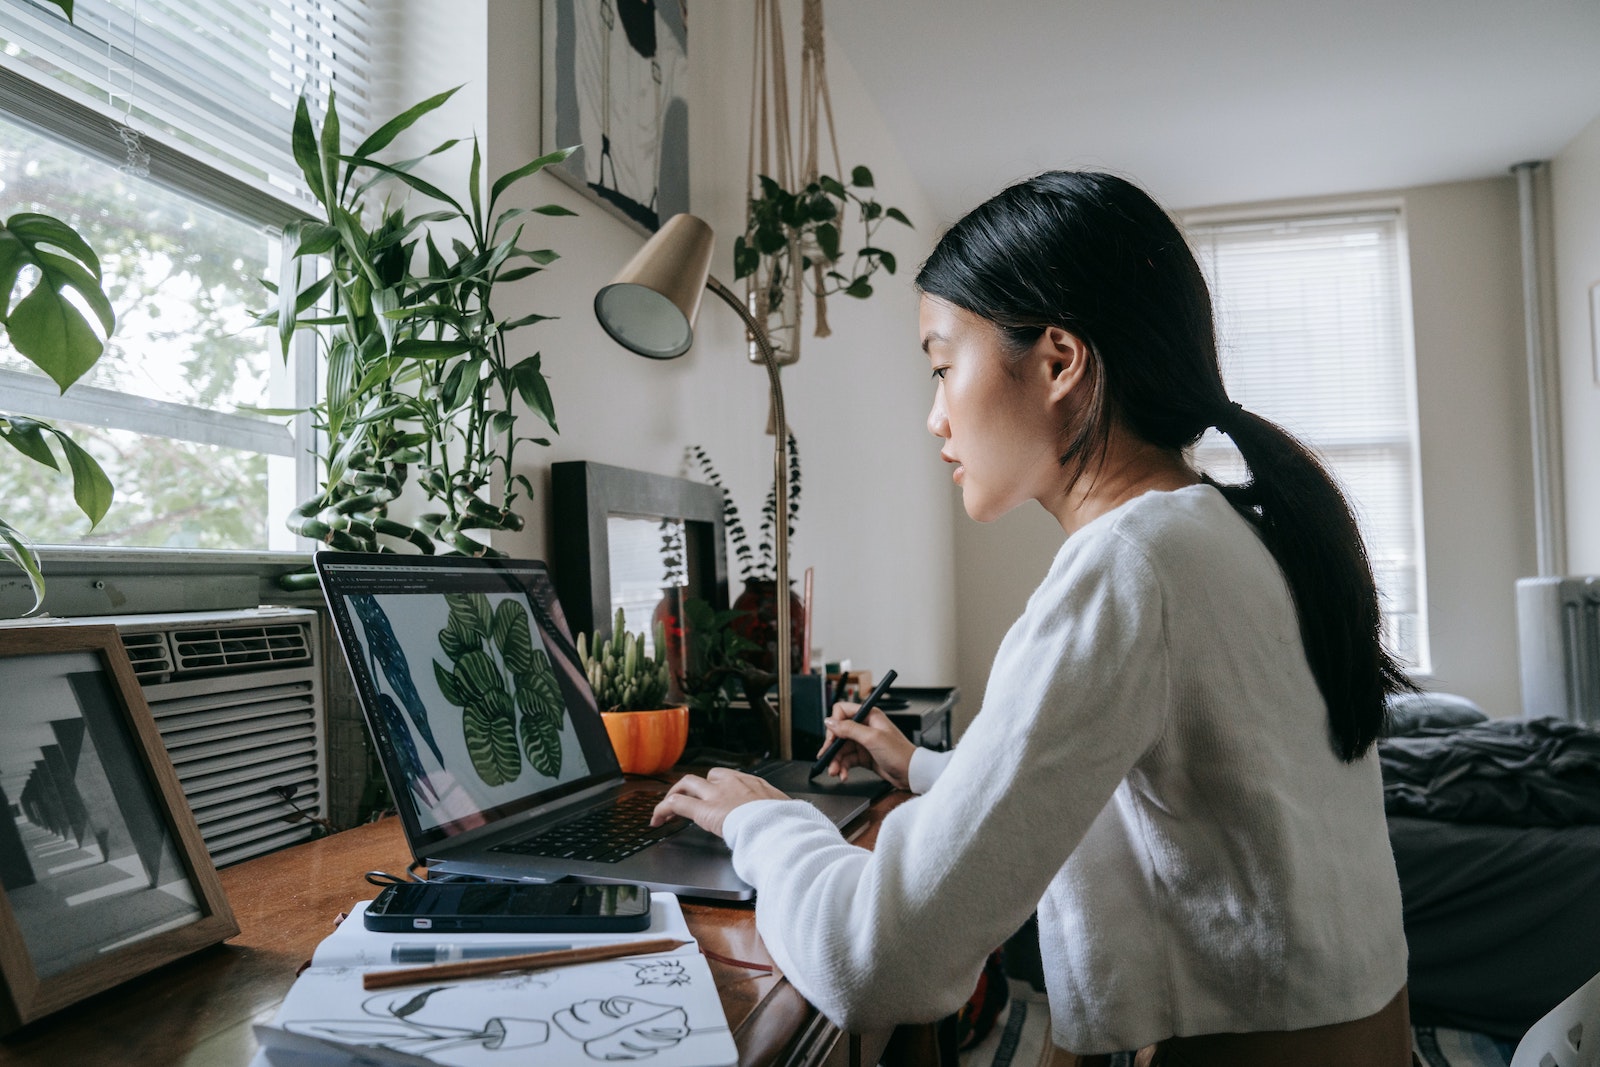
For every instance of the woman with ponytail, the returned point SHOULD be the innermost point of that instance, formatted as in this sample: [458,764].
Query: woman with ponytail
[1172,763]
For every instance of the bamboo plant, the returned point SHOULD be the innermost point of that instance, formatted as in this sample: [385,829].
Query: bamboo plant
[421,372]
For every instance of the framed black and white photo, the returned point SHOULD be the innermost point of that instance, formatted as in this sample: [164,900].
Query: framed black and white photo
[103,870]
[616,85]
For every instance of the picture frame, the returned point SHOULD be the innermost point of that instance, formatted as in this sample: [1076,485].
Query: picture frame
[592,504]
[103,873]
[615,86]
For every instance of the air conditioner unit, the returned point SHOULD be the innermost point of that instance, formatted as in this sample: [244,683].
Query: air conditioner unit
[1558,639]
[237,697]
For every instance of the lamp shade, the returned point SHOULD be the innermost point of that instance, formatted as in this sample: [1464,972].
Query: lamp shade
[651,305]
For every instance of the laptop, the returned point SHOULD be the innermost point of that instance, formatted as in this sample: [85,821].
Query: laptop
[494,750]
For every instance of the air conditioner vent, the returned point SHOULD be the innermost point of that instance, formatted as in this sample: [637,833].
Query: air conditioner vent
[151,656]
[237,698]
[230,648]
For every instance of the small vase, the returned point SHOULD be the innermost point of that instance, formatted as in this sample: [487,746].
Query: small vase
[670,616]
[647,742]
[758,622]
[782,326]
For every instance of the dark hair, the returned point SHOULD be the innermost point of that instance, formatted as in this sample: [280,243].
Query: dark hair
[1095,255]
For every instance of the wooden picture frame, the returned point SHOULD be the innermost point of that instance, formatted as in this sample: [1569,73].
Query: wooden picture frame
[103,872]
[586,497]
[615,85]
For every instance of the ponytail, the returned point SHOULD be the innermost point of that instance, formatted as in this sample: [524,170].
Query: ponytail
[1307,525]
[1093,254]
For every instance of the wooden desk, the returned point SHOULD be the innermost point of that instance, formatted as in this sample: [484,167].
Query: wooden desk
[198,1012]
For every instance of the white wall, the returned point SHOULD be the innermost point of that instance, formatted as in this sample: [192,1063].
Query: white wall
[1575,195]
[875,515]
[1475,456]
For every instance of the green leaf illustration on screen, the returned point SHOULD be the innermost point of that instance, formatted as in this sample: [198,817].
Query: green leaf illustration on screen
[504,687]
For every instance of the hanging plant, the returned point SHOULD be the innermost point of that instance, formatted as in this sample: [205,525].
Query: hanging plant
[794,227]
[789,235]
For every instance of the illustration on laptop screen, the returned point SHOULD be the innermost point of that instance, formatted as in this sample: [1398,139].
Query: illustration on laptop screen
[470,695]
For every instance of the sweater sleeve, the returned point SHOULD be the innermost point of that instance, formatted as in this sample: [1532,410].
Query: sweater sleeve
[926,766]
[1077,695]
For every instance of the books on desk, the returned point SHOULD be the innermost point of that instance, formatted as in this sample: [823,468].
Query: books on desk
[664,1008]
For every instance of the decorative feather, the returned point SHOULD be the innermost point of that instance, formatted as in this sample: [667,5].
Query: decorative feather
[386,650]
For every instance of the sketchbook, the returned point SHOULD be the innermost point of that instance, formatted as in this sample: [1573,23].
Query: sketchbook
[662,1010]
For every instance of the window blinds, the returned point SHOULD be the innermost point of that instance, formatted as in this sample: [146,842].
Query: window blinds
[210,85]
[1311,327]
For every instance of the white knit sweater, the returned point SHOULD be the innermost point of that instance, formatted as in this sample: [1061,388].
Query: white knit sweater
[1151,769]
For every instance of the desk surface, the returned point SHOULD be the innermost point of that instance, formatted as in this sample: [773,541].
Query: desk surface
[199,1011]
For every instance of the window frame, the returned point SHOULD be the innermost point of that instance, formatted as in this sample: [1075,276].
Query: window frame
[82,128]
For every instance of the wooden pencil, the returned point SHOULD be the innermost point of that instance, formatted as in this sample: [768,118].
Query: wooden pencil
[529,962]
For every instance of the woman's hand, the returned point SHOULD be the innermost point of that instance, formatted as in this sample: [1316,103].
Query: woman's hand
[707,801]
[876,744]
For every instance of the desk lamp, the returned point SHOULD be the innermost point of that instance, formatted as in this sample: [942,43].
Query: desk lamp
[650,309]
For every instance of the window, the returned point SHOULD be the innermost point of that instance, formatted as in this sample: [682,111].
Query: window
[160,129]
[1314,330]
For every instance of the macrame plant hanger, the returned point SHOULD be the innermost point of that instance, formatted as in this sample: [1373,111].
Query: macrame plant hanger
[772,153]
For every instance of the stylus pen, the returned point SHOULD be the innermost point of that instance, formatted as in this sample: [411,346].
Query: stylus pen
[860,716]
[451,953]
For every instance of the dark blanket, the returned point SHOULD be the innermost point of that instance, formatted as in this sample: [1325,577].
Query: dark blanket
[1541,772]
[1501,922]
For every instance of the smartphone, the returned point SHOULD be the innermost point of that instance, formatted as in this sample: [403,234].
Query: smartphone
[509,907]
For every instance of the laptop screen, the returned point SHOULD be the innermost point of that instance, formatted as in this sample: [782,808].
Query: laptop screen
[470,683]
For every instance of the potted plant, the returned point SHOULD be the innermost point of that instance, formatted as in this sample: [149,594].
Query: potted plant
[757,604]
[419,369]
[632,689]
[47,329]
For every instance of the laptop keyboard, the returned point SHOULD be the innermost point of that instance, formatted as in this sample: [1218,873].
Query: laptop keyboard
[605,835]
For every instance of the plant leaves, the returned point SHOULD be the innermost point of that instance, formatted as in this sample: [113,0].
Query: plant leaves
[90,487]
[304,143]
[381,138]
[447,684]
[489,728]
[542,711]
[861,177]
[513,637]
[15,547]
[44,326]
[898,216]
[505,181]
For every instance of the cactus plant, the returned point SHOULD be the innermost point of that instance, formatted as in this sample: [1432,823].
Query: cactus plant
[622,676]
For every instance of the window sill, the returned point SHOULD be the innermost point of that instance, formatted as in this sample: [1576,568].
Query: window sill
[139,581]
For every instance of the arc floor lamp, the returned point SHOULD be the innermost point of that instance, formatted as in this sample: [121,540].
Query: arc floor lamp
[650,308]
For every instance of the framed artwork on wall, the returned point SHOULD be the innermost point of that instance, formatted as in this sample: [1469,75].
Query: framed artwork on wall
[616,85]
[103,873]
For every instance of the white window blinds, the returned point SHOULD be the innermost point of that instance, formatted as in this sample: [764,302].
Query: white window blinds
[1314,335]
[210,85]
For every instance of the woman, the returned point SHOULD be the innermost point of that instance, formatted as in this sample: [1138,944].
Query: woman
[1171,763]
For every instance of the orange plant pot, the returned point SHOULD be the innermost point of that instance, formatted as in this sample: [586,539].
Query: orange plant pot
[647,742]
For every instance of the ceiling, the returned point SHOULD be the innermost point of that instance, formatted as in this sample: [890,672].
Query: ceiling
[1208,102]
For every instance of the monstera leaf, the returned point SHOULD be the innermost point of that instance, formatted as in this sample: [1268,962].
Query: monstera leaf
[539,701]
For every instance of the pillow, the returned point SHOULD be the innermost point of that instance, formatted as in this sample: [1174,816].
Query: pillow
[1410,712]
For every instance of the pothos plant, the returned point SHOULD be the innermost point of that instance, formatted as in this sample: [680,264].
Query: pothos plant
[789,233]
[47,329]
[420,369]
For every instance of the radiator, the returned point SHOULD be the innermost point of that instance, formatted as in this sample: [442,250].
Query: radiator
[1558,641]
